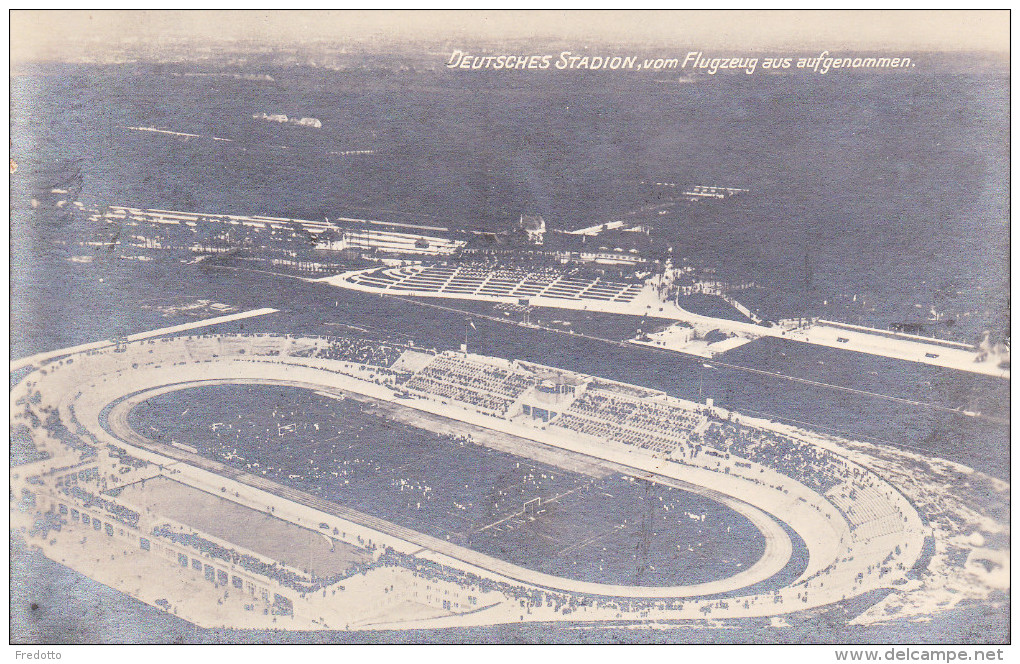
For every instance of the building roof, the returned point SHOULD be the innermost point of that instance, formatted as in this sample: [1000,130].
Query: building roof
[532,223]
[557,378]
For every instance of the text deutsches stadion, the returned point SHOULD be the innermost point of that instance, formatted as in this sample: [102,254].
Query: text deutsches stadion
[693,61]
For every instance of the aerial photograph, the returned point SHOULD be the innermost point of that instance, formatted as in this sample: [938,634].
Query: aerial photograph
[509,327]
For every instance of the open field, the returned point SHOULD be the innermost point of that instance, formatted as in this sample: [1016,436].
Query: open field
[613,529]
[257,531]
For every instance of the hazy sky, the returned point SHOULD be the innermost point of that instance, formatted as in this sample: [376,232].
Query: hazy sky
[61,34]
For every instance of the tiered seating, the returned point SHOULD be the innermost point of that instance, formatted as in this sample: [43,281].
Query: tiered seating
[601,429]
[466,280]
[852,490]
[429,279]
[380,278]
[535,283]
[663,418]
[360,351]
[381,281]
[659,427]
[806,463]
[868,511]
[503,282]
[483,386]
[629,293]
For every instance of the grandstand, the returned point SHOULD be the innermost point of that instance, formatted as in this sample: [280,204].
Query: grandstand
[648,424]
[603,410]
[495,283]
[818,467]
[490,388]
[350,349]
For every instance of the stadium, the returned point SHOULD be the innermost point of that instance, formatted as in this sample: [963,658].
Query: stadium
[457,489]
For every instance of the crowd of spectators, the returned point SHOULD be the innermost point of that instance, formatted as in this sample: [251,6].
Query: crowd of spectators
[23,450]
[125,515]
[360,351]
[809,464]
[651,425]
[56,428]
[484,386]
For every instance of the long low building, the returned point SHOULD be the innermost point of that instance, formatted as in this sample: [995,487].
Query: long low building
[339,234]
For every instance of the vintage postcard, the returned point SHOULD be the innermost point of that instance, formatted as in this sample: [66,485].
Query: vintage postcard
[510,327]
